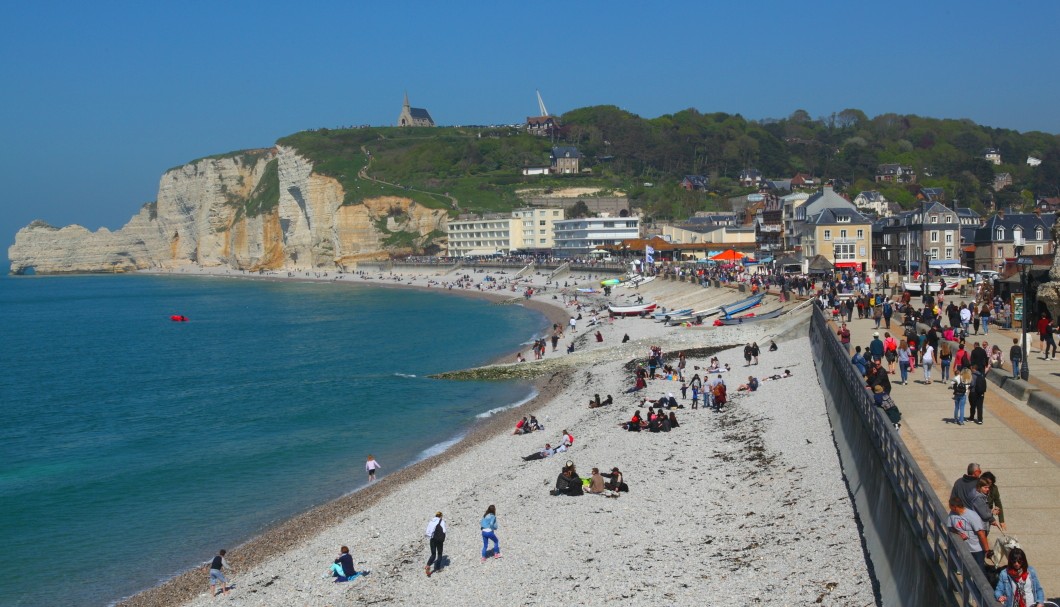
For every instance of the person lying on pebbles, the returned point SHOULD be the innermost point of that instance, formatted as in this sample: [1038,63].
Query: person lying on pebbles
[547,451]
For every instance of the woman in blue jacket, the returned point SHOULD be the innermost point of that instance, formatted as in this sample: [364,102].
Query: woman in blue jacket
[1018,583]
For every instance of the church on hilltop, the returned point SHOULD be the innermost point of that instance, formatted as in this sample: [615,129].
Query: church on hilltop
[414,116]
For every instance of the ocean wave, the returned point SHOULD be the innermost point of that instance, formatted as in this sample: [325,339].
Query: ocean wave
[439,448]
[404,375]
[497,410]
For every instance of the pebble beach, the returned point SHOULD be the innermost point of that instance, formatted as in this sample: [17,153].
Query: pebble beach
[743,506]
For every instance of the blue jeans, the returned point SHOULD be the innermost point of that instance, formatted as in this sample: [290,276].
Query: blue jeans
[944,364]
[903,366]
[958,408]
[486,537]
[927,364]
[1015,368]
[986,325]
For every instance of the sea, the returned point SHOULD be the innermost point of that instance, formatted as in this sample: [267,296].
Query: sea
[133,447]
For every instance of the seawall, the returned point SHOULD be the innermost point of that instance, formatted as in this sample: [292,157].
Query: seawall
[914,557]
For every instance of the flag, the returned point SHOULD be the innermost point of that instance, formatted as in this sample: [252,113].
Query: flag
[649,254]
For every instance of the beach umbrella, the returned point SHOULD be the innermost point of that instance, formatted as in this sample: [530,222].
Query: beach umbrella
[730,255]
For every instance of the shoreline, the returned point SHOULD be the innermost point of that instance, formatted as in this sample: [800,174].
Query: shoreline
[750,458]
[272,540]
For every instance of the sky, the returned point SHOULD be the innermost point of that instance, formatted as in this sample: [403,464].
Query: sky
[98,99]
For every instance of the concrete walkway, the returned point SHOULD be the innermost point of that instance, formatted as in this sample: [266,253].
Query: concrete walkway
[1019,445]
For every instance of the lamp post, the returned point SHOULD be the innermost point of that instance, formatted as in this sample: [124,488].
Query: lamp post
[1024,263]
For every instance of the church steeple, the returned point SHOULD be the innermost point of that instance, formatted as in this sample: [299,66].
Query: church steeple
[406,99]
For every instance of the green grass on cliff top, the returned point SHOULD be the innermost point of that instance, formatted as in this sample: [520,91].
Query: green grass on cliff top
[479,167]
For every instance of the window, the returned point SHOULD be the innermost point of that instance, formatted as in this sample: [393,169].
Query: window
[1000,253]
[999,234]
[1038,234]
[843,251]
[949,238]
[934,236]
[934,219]
[843,234]
[934,254]
[541,223]
[949,253]
[861,234]
[828,234]
[609,224]
[1039,249]
[1017,234]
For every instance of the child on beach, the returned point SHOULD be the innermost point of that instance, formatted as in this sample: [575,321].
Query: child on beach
[371,466]
[342,570]
[489,532]
[217,577]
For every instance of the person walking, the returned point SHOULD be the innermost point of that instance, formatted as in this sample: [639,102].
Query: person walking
[1049,337]
[1017,583]
[927,360]
[960,395]
[905,355]
[755,351]
[370,467]
[436,529]
[976,395]
[489,532]
[984,314]
[217,577]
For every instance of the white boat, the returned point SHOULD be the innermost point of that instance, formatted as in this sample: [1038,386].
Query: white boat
[933,287]
[693,316]
[636,310]
[637,281]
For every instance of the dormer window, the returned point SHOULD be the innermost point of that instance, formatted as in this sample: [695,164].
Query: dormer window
[1017,234]
[999,234]
[934,219]
[1039,234]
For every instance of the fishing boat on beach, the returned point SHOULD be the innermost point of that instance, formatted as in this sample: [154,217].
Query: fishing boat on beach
[752,317]
[636,310]
[665,314]
[742,305]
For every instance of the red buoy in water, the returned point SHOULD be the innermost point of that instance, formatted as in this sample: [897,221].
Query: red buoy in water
[178,318]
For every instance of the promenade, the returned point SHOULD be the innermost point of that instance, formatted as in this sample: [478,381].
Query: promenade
[1019,445]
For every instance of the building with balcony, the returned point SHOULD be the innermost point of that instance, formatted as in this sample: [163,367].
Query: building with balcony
[996,240]
[576,237]
[933,232]
[528,230]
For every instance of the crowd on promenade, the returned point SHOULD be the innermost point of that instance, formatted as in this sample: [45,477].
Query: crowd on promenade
[932,331]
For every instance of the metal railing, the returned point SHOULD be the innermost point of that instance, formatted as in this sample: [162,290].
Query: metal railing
[923,510]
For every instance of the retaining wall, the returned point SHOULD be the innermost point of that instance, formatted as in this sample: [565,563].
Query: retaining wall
[914,558]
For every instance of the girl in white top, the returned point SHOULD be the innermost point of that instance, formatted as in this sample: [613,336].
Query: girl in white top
[928,359]
[371,466]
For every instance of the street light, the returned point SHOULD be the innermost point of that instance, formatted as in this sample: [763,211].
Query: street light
[1024,263]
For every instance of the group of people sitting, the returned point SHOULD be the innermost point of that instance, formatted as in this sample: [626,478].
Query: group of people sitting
[596,402]
[656,421]
[525,426]
[569,483]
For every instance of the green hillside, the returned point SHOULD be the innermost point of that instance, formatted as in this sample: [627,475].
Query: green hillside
[478,168]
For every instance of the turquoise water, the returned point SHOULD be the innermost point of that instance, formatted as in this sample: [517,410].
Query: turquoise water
[133,447]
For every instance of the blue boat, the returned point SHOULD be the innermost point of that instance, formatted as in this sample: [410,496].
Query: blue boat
[740,306]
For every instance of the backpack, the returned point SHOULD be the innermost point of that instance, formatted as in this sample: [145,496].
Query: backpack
[887,309]
[439,533]
[959,388]
[979,385]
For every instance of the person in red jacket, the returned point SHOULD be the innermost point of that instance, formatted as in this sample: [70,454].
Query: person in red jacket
[1043,323]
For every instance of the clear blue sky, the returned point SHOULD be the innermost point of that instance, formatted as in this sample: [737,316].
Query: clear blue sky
[99,98]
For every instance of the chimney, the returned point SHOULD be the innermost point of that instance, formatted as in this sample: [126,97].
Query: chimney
[1038,212]
[1001,213]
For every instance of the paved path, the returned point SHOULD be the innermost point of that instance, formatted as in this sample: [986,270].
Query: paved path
[1019,445]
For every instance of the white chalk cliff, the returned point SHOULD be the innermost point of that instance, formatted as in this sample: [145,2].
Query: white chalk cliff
[225,212]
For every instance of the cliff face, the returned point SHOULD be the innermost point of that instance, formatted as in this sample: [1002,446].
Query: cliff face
[261,209]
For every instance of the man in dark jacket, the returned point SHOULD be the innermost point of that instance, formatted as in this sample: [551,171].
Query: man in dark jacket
[880,378]
[1015,354]
[966,489]
[568,483]
[977,391]
[876,347]
[980,359]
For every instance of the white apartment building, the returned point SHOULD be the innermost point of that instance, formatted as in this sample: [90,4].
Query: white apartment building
[576,237]
[522,230]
